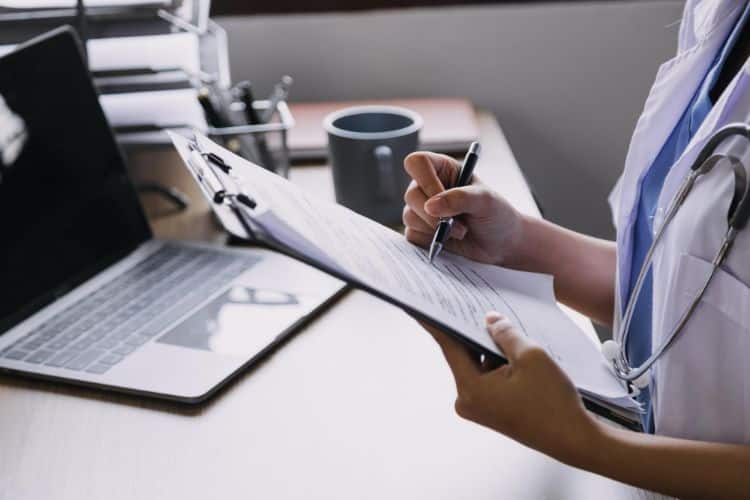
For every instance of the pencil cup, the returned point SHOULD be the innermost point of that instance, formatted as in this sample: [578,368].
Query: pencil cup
[367,146]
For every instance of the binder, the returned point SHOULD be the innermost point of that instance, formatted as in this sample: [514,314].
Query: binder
[234,206]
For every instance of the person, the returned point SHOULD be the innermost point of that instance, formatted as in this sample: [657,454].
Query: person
[697,408]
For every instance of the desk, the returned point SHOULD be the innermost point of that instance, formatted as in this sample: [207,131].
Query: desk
[351,408]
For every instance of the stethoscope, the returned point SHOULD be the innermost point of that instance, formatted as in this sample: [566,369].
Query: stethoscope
[739,211]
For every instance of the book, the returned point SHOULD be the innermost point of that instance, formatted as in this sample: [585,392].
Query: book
[450,125]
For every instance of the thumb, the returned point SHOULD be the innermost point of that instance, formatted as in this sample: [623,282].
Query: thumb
[463,200]
[507,338]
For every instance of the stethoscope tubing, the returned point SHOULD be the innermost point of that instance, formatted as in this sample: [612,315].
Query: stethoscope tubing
[738,216]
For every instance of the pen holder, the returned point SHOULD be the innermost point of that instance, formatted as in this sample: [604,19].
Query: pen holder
[273,134]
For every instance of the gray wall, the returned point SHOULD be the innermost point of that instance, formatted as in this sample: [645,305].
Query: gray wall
[566,81]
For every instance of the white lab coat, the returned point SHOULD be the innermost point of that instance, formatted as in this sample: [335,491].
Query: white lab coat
[701,386]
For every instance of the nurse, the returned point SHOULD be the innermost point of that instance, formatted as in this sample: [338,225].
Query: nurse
[697,407]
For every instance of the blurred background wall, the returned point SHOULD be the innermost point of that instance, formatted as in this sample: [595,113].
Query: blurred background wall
[566,81]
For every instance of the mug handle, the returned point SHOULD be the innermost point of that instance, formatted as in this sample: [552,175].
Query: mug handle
[386,184]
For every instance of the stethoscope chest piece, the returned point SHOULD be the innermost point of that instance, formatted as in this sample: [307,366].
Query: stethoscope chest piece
[611,350]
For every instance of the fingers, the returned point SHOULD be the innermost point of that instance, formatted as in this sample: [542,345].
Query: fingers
[507,338]
[461,362]
[416,222]
[415,200]
[417,237]
[431,171]
[474,199]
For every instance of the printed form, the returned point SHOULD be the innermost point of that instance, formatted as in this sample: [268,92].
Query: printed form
[455,292]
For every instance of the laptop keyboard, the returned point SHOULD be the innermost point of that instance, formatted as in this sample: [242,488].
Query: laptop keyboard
[104,327]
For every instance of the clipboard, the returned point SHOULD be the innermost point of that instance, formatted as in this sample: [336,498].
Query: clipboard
[235,208]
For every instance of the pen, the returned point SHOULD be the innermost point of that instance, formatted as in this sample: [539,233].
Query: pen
[245,92]
[443,229]
[279,93]
[215,119]
[212,115]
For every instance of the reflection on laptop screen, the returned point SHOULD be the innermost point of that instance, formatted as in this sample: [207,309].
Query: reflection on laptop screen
[67,208]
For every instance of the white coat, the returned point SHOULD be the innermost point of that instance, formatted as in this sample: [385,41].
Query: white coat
[701,386]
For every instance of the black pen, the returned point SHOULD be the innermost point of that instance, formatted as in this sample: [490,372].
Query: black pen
[245,91]
[443,229]
[244,146]
[213,117]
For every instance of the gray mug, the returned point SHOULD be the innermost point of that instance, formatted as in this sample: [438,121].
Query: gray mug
[367,146]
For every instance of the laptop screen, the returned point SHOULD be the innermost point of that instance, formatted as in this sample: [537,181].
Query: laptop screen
[67,207]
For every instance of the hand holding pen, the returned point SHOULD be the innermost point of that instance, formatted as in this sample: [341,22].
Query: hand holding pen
[445,224]
[485,227]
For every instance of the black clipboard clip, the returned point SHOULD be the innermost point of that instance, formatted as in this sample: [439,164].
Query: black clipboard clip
[213,174]
[204,167]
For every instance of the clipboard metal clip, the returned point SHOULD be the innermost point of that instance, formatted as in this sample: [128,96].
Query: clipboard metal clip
[205,165]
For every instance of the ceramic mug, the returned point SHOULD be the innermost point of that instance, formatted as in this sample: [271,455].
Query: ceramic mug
[366,147]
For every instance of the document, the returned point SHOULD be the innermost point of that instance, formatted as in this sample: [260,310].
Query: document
[154,52]
[163,109]
[454,292]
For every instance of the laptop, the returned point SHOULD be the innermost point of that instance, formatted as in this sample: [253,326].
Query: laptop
[87,295]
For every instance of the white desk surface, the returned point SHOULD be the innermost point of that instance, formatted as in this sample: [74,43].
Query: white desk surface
[359,405]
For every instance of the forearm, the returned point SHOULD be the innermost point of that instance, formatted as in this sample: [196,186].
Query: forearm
[677,467]
[583,267]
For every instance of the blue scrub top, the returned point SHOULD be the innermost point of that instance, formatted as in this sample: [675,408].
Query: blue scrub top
[639,342]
